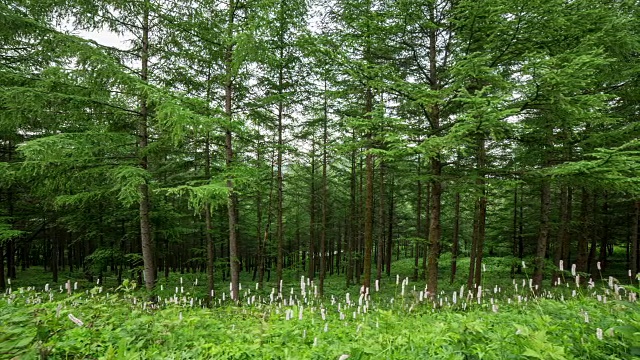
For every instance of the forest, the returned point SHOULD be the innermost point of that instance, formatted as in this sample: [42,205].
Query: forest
[265,140]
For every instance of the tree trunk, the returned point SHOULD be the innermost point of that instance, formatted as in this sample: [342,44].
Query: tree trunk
[543,235]
[390,228]
[436,166]
[148,251]
[381,225]
[232,202]
[3,283]
[456,237]
[434,226]
[604,240]
[323,231]
[280,224]
[416,246]
[312,216]
[564,235]
[583,241]
[353,233]
[482,210]
[368,212]
[209,229]
[635,224]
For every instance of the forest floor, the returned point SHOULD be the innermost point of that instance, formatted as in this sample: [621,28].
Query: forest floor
[505,320]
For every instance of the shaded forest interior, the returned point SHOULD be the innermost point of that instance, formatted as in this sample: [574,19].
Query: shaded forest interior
[282,137]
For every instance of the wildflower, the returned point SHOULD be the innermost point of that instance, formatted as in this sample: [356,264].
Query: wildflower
[561,265]
[524,266]
[598,266]
[599,333]
[343,357]
[75,320]
[573,269]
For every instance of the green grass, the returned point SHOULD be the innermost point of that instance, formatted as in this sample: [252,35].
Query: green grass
[563,322]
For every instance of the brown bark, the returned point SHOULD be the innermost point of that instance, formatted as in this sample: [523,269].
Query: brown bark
[583,241]
[280,223]
[323,230]
[418,224]
[381,226]
[352,226]
[209,229]
[312,216]
[543,235]
[390,228]
[604,240]
[368,212]
[436,166]
[148,248]
[234,262]
[3,283]
[434,227]
[456,237]
[482,211]
[564,234]
[635,224]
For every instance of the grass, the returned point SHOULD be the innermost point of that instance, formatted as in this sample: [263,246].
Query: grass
[506,322]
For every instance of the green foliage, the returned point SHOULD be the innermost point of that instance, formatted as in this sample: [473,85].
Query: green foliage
[118,324]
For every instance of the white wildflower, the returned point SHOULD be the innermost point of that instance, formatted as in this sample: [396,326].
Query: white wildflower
[75,320]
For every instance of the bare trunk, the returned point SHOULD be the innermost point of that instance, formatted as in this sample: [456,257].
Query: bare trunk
[352,219]
[583,241]
[434,227]
[418,225]
[436,166]
[234,262]
[312,216]
[456,238]
[148,248]
[380,247]
[635,224]
[280,224]
[323,231]
[564,239]
[390,228]
[543,235]
[482,210]
[368,212]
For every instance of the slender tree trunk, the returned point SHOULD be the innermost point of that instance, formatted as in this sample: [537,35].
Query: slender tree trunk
[232,202]
[380,252]
[427,226]
[436,166]
[482,210]
[583,241]
[635,224]
[312,216]
[148,248]
[564,234]
[323,231]
[209,229]
[280,223]
[543,236]
[353,233]
[591,260]
[54,254]
[416,246]
[368,212]
[456,237]
[390,227]
[3,283]
[604,241]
